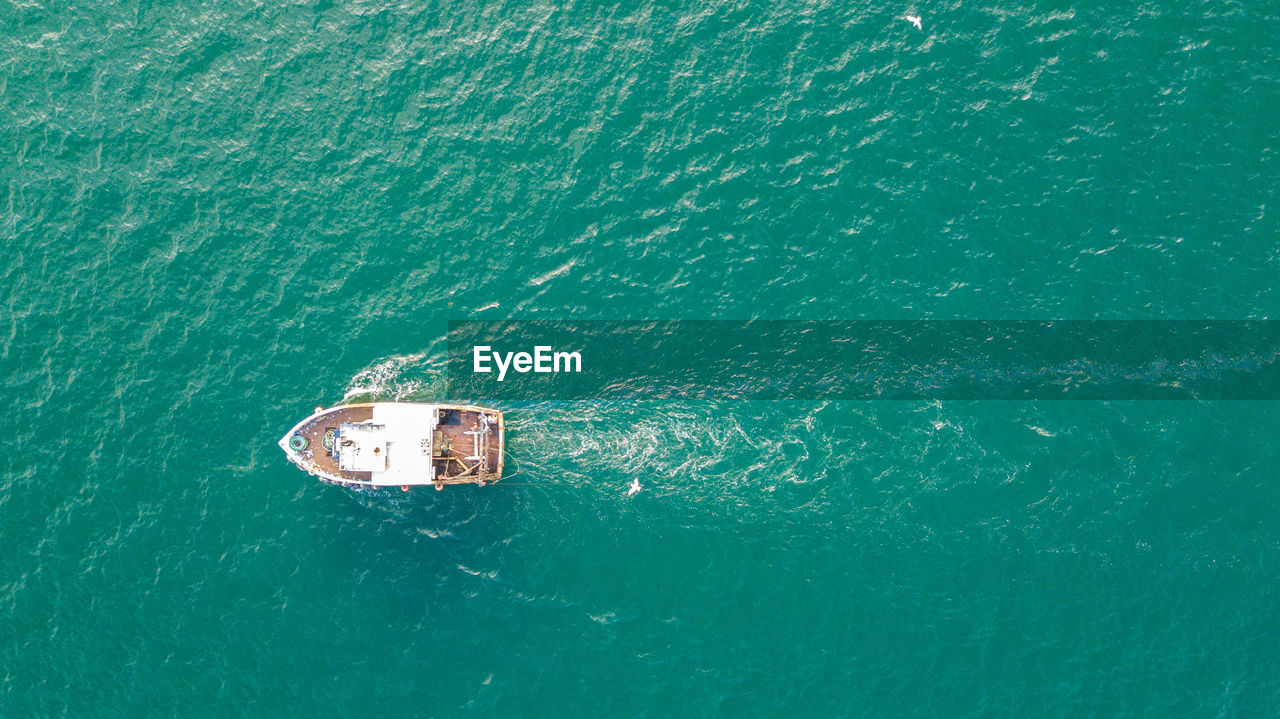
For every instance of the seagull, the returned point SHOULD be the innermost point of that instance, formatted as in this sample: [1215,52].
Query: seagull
[914,20]
[634,488]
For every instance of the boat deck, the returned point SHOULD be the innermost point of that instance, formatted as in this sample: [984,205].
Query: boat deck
[451,463]
[319,455]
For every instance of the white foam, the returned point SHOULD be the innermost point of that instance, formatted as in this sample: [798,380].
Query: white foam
[383,379]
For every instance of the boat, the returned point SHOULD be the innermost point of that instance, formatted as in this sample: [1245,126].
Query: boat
[399,444]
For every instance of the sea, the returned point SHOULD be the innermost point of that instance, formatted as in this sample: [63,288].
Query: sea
[216,216]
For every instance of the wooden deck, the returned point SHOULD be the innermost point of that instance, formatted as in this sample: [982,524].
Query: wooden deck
[321,456]
[451,465]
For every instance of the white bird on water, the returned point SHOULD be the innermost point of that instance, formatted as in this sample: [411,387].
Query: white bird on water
[634,488]
[914,20]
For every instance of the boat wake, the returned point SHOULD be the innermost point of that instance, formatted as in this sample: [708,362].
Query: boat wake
[396,378]
[677,449]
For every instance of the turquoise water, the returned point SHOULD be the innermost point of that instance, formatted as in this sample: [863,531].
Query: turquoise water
[216,217]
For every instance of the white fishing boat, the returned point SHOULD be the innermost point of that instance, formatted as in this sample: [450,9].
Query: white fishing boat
[399,444]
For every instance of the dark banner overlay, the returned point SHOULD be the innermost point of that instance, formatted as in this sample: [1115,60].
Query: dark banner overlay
[925,359]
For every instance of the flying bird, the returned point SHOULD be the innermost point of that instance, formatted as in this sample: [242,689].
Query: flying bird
[634,488]
[914,20]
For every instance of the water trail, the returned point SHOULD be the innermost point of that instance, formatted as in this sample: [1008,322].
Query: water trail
[683,449]
[402,378]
